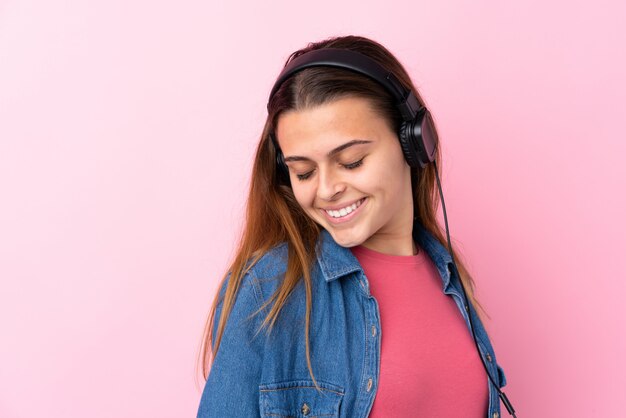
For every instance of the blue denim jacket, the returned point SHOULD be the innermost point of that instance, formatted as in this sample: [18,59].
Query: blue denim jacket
[267,376]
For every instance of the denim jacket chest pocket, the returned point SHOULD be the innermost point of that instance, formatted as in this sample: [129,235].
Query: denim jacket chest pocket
[300,399]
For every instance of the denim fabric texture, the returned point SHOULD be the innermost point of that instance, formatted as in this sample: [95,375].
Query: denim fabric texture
[267,376]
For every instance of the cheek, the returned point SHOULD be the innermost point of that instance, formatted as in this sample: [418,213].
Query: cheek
[385,177]
[381,173]
[302,195]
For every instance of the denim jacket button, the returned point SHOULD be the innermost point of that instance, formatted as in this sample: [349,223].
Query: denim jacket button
[369,384]
[305,409]
[488,357]
[373,331]
[495,415]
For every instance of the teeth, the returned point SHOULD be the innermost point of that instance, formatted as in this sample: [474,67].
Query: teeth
[344,211]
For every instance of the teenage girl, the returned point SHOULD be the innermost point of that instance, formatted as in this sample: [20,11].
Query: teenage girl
[342,299]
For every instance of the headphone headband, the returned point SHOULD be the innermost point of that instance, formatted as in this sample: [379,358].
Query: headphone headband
[406,102]
[417,133]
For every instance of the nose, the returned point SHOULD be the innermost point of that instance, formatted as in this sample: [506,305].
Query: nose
[330,184]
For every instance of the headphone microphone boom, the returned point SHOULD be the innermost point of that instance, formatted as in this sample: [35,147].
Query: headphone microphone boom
[417,134]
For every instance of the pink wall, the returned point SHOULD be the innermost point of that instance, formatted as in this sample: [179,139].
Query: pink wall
[126,134]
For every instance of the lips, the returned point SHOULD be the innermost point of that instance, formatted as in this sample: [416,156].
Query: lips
[343,206]
[348,216]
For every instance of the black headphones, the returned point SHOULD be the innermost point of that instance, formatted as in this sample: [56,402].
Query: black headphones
[417,134]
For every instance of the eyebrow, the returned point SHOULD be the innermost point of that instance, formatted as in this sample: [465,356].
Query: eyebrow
[331,152]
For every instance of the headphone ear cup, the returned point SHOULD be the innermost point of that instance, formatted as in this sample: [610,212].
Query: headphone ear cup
[407,143]
[282,171]
[418,139]
[282,167]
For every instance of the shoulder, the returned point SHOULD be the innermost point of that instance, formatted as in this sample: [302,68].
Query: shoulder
[272,263]
[269,270]
[261,276]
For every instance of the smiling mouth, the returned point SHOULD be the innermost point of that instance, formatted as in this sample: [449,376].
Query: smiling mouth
[338,214]
[345,214]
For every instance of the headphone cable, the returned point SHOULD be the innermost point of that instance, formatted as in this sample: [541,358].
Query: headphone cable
[501,394]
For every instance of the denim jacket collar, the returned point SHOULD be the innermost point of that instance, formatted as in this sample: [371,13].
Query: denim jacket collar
[336,261]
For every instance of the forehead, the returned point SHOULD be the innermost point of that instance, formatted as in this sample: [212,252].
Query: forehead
[320,128]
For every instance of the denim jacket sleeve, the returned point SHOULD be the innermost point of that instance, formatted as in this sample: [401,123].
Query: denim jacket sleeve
[232,387]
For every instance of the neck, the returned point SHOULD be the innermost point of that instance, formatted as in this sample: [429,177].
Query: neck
[404,248]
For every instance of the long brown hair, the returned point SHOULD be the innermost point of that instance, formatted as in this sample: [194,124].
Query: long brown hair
[272,213]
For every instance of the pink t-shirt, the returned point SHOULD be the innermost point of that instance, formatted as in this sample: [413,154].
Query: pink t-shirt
[429,365]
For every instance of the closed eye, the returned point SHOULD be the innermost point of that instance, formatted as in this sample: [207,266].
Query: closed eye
[350,166]
[355,164]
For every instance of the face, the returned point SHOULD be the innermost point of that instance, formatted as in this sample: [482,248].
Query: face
[348,173]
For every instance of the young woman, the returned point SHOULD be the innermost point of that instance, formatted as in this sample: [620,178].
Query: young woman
[342,300]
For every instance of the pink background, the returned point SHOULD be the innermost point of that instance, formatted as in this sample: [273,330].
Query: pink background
[126,135]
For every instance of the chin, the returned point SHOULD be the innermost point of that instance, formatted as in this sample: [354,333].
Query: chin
[345,238]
